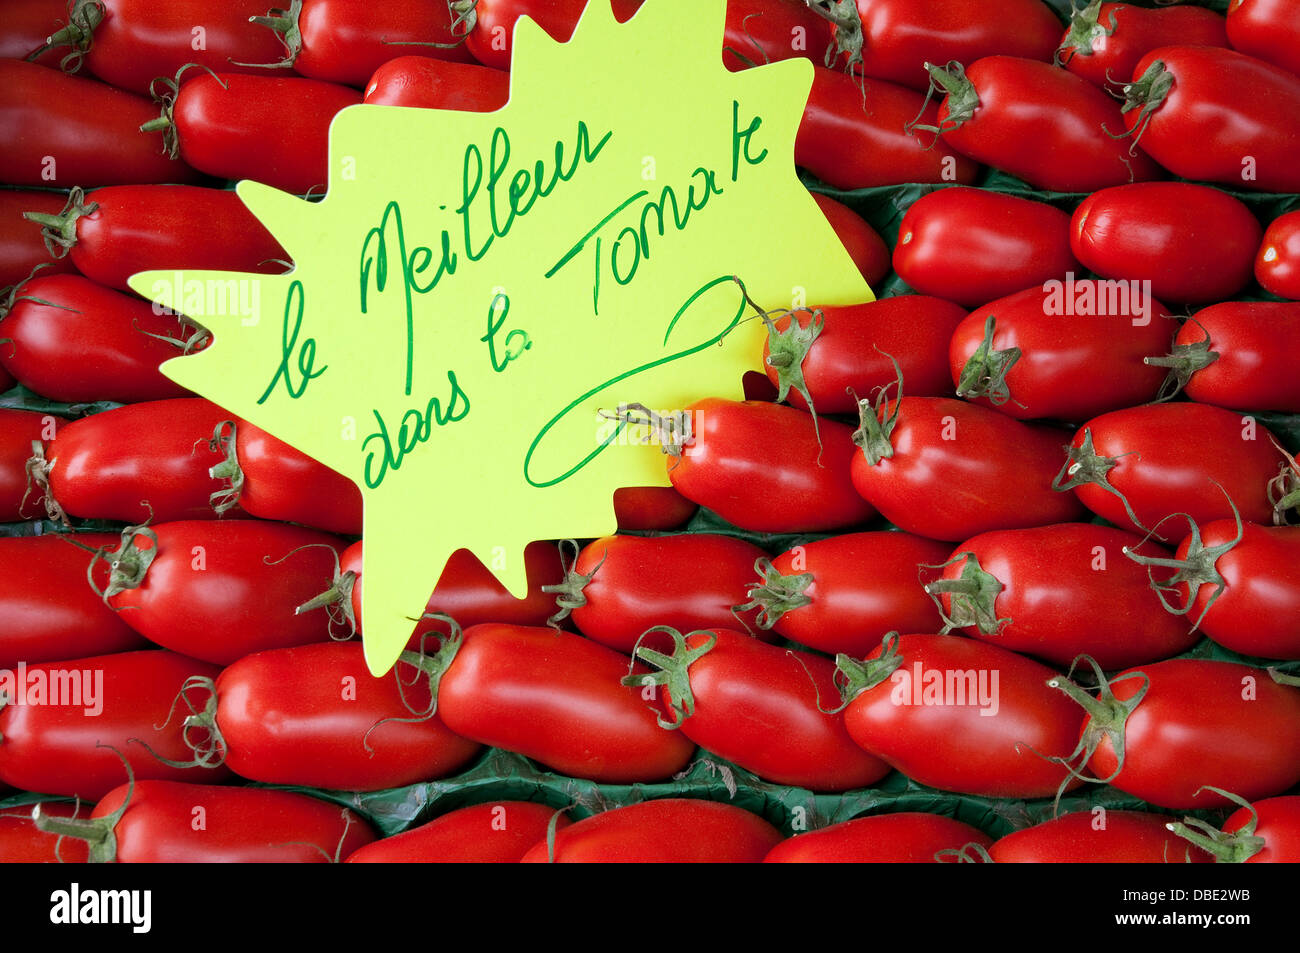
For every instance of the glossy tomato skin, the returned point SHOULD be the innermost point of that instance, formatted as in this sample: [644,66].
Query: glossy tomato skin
[758,466]
[52,748]
[142,460]
[1045,126]
[1083,346]
[689,581]
[768,31]
[958,470]
[1266,29]
[1201,723]
[971,246]
[757,706]
[671,830]
[307,716]
[1106,56]
[1279,825]
[904,838]
[491,39]
[651,508]
[495,833]
[557,698]
[848,149]
[1099,836]
[90,131]
[857,341]
[867,249]
[21,842]
[243,825]
[1192,242]
[18,430]
[1223,106]
[1252,339]
[437,84]
[272,129]
[72,340]
[862,586]
[949,742]
[218,591]
[1277,264]
[50,613]
[21,247]
[1069,590]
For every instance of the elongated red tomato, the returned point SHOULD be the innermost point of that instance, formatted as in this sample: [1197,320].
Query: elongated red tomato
[667,831]
[170,822]
[63,712]
[759,466]
[22,842]
[1267,29]
[1234,355]
[1217,115]
[620,586]
[908,837]
[21,247]
[1191,242]
[971,246]
[489,25]
[1099,836]
[947,469]
[851,352]
[118,231]
[1038,122]
[556,698]
[437,84]
[1057,592]
[64,130]
[1188,723]
[844,593]
[867,249]
[961,715]
[651,508]
[71,339]
[19,499]
[313,715]
[1104,41]
[1065,350]
[1277,264]
[499,832]
[849,149]
[50,614]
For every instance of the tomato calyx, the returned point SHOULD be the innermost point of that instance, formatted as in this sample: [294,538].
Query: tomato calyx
[1235,848]
[1284,489]
[463,14]
[985,372]
[962,99]
[569,594]
[59,232]
[787,349]
[128,566]
[1146,93]
[99,833]
[164,90]
[336,600]
[284,23]
[38,476]
[210,751]
[1084,31]
[673,672]
[1084,465]
[775,594]
[849,40]
[1107,717]
[223,441]
[433,667]
[1183,360]
[83,17]
[971,597]
[672,431]
[854,676]
[972,853]
[876,421]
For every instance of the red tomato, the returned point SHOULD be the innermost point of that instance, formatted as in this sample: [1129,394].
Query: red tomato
[1066,350]
[759,467]
[438,84]
[220,591]
[70,339]
[63,130]
[903,838]
[28,24]
[1038,122]
[21,842]
[169,822]
[1098,836]
[555,697]
[767,31]
[1057,592]
[867,249]
[57,735]
[1104,41]
[21,247]
[668,831]
[619,586]
[127,229]
[1191,242]
[651,507]
[1277,264]
[853,349]
[971,246]
[1267,29]
[1216,115]
[271,480]
[1235,355]
[1188,723]
[489,25]
[849,146]
[961,716]
[844,593]
[758,706]
[313,715]
[50,614]
[496,833]
[20,497]
[1136,466]
[947,469]
[1275,821]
